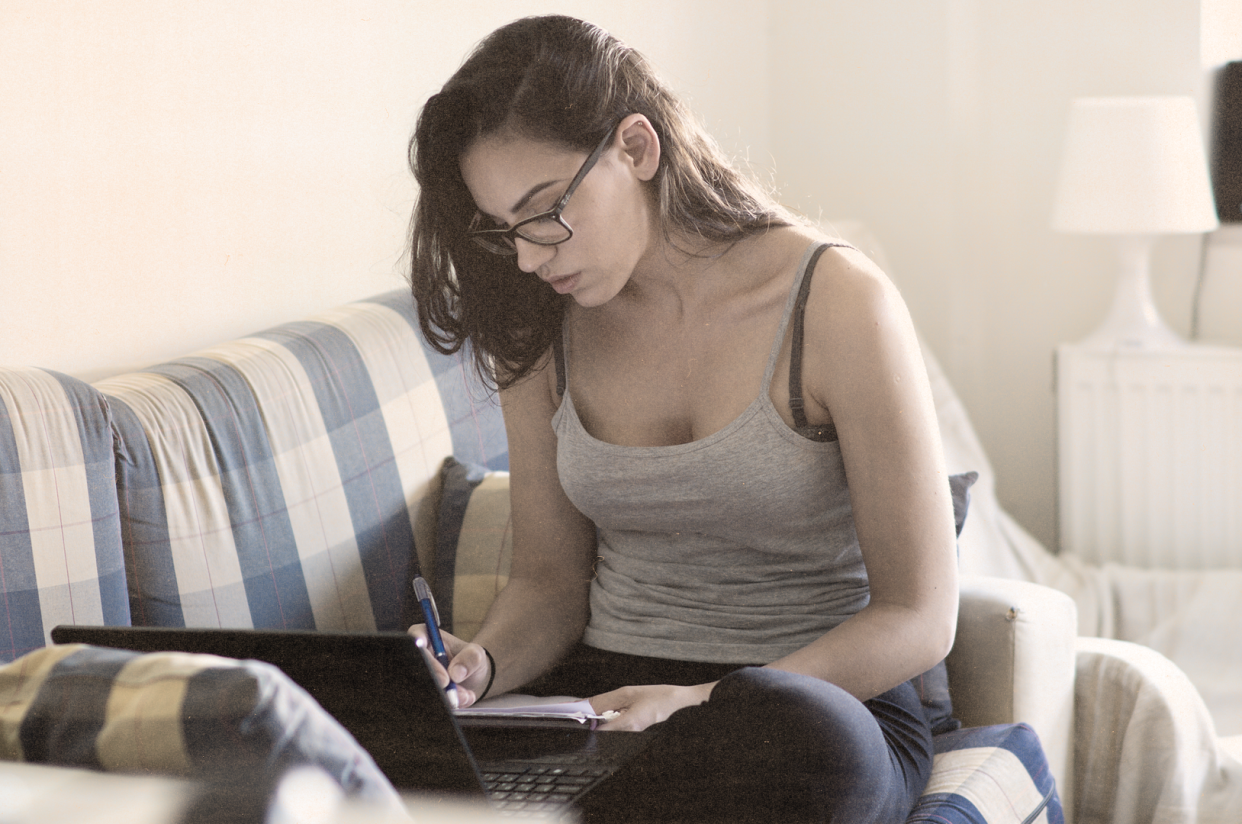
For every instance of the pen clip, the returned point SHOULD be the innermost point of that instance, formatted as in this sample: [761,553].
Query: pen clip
[423,593]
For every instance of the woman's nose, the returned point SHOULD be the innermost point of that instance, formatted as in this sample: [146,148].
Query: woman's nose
[530,256]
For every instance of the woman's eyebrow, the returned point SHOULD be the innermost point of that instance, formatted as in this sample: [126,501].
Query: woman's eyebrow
[526,198]
[523,201]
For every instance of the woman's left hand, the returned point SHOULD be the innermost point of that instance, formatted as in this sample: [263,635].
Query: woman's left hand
[642,706]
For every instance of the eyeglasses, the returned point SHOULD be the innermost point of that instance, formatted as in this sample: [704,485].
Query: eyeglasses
[545,229]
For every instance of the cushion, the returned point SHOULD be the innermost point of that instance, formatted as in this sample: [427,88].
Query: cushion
[177,714]
[61,557]
[473,544]
[989,775]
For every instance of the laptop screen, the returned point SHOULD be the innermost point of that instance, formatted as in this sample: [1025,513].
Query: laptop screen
[377,685]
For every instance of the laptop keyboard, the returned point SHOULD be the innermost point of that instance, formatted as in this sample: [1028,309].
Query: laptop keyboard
[533,788]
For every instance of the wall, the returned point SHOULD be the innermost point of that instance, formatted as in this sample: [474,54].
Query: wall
[941,124]
[172,175]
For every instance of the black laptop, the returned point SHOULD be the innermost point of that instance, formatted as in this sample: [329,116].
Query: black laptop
[379,687]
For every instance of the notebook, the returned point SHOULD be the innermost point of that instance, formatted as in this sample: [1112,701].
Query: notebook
[380,687]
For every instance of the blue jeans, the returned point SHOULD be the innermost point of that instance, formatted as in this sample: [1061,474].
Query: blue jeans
[769,746]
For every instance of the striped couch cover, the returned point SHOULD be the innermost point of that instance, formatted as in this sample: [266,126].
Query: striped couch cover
[61,553]
[271,481]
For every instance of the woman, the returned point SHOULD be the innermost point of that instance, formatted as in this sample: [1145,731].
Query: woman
[745,538]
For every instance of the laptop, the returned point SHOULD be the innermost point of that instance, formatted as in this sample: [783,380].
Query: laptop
[380,687]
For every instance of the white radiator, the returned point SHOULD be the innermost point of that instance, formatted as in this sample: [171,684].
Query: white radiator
[1150,456]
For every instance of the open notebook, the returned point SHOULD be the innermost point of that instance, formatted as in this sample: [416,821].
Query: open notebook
[552,708]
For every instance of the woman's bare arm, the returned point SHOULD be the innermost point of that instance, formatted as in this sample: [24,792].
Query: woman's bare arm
[863,364]
[542,611]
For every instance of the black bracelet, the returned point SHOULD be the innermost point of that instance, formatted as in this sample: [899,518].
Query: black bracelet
[491,664]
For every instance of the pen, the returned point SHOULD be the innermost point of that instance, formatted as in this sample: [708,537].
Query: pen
[432,618]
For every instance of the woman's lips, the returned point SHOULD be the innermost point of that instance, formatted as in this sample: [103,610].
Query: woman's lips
[564,284]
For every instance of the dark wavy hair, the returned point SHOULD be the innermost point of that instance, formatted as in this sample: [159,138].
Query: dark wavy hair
[567,82]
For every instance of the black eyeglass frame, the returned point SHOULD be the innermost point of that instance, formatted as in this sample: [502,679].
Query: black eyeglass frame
[504,241]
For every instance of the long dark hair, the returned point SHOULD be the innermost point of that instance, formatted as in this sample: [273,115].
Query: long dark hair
[567,82]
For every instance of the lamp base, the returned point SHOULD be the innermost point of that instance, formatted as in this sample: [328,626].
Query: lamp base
[1133,323]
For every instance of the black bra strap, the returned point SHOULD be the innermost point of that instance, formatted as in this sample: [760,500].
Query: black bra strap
[558,353]
[797,405]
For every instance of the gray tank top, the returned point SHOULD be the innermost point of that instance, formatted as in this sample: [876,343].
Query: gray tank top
[735,548]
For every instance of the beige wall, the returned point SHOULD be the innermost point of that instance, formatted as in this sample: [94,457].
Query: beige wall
[172,175]
[940,123]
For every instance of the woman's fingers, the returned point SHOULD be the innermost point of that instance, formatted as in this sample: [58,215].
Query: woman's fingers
[639,707]
[468,665]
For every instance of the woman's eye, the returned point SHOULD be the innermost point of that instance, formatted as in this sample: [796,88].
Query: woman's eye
[542,206]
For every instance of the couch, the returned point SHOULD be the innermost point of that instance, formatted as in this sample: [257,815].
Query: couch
[284,479]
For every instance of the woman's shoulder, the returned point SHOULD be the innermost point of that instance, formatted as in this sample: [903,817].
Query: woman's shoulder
[853,306]
[846,279]
[841,267]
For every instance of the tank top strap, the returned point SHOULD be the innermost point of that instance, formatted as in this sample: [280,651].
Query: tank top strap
[797,402]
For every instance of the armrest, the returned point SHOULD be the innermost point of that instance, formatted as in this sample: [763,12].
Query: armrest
[1013,661]
[1147,745]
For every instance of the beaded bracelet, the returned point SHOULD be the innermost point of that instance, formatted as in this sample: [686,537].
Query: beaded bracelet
[491,664]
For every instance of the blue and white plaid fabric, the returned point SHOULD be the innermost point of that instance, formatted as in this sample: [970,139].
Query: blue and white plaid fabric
[61,560]
[989,775]
[269,481]
[272,481]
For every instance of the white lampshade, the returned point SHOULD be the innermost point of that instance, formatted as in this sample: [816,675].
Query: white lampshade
[1134,165]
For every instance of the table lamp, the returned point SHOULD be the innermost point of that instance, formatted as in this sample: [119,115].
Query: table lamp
[1134,168]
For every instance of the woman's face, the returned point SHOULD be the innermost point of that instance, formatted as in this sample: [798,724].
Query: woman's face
[512,178]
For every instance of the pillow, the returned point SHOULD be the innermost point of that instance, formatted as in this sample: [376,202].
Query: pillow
[473,544]
[959,488]
[235,723]
[989,775]
[933,685]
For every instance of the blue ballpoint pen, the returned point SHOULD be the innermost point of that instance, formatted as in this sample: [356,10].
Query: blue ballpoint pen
[431,617]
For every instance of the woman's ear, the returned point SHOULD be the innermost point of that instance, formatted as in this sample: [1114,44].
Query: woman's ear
[640,145]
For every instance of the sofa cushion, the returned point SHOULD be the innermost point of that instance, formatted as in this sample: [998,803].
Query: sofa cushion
[989,775]
[177,714]
[61,559]
[472,546]
[270,481]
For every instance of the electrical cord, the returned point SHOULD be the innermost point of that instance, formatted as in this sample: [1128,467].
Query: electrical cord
[1197,300]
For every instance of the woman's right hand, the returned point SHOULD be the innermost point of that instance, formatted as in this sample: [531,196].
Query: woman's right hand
[468,664]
